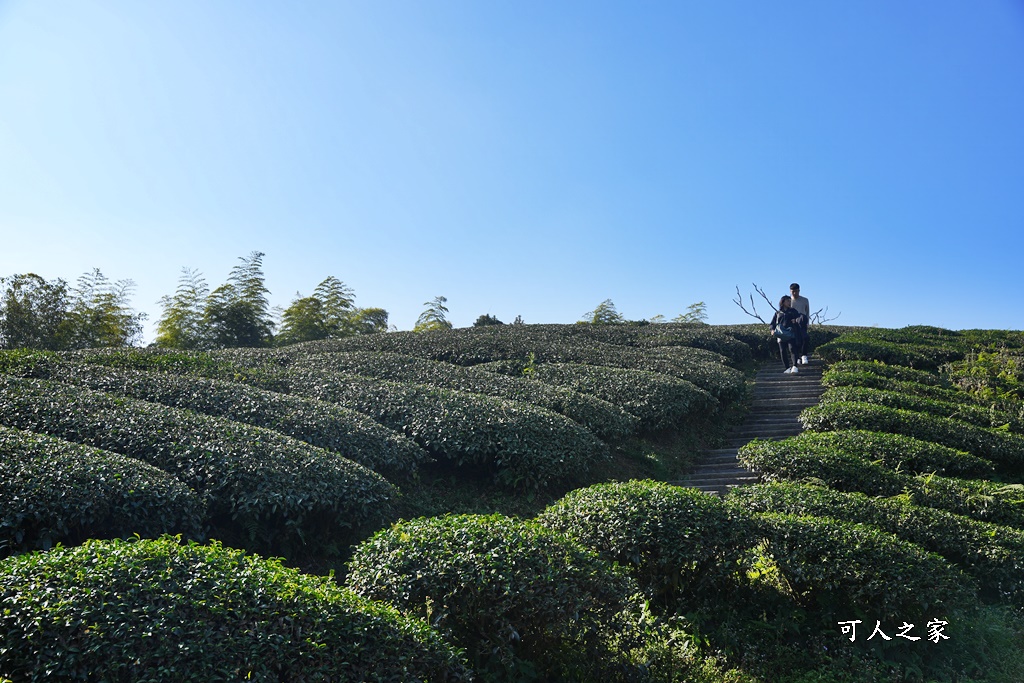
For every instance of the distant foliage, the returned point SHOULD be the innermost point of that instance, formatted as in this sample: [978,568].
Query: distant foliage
[95,313]
[181,325]
[486,319]
[159,610]
[434,317]
[604,314]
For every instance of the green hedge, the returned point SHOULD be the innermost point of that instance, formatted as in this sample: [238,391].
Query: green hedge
[473,346]
[895,347]
[605,420]
[896,372]
[328,426]
[54,492]
[992,554]
[520,598]
[982,500]
[261,484]
[681,544]
[837,378]
[962,411]
[658,401]
[840,571]
[1003,448]
[894,451]
[522,445]
[154,611]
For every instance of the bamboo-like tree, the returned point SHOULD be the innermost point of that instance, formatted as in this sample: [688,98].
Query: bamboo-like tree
[604,314]
[238,312]
[435,317]
[181,324]
[100,313]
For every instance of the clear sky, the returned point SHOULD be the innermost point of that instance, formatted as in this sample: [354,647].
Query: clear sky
[526,158]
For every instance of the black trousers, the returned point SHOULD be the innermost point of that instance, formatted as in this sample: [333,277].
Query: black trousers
[793,346]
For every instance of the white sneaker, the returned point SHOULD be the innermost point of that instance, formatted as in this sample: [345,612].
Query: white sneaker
[804,360]
[787,371]
[794,370]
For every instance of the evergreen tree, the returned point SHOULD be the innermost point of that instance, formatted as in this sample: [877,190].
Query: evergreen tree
[487,319]
[33,313]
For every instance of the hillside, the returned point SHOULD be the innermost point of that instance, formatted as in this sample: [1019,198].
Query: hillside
[494,501]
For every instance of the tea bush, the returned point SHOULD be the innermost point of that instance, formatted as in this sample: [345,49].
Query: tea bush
[1003,448]
[658,401]
[522,445]
[605,420]
[278,491]
[965,412]
[833,378]
[153,611]
[473,346]
[896,372]
[892,348]
[993,555]
[976,498]
[328,426]
[839,570]
[54,492]
[682,544]
[895,451]
[522,600]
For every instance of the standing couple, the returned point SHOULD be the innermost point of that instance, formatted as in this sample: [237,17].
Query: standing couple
[789,327]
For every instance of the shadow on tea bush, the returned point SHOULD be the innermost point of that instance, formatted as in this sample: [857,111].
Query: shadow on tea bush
[151,611]
[681,544]
[53,491]
[522,600]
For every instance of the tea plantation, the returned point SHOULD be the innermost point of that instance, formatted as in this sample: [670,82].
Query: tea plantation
[494,504]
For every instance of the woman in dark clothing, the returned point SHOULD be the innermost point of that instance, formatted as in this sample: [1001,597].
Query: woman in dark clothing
[785,327]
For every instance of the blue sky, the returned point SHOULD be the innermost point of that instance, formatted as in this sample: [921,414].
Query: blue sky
[526,158]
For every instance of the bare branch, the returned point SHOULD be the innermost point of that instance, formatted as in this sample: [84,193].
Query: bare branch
[753,309]
[820,316]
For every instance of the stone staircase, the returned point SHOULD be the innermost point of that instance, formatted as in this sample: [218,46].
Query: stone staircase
[776,403]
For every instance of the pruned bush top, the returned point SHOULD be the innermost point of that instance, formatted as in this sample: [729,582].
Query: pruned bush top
[896,372]
[604,419]
[506,590]
[976,498]
[328,426]
[154,611]
[681,543]
[53,491]
[658,401]
[895,347]
[992,554]
[474,346]
[523,445]
[276,488]
[965,412]
[835,569]
[895,451]
[1003,448]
